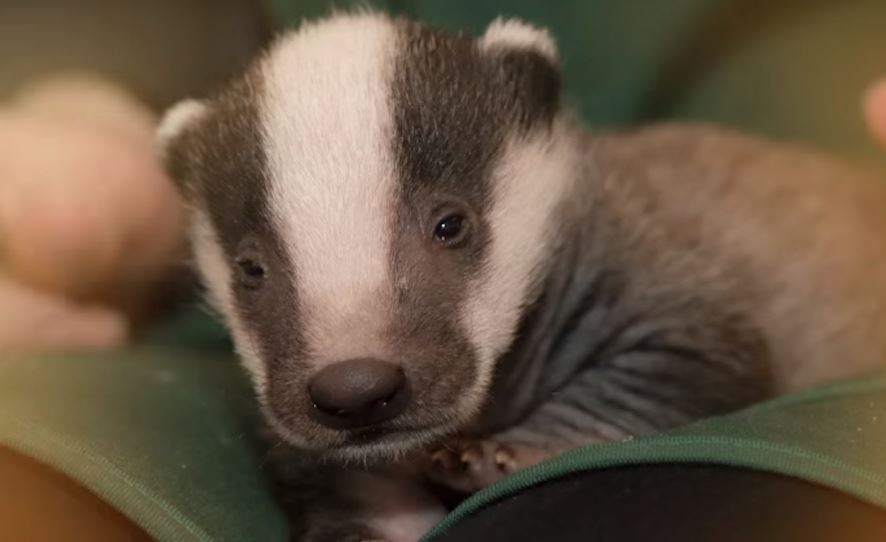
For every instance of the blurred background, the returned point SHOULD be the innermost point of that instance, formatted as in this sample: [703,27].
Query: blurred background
[764,65]
[162,49]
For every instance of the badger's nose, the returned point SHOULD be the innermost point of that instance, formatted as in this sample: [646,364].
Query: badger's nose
[358,393]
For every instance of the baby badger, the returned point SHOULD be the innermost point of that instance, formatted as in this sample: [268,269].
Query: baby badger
[410,238]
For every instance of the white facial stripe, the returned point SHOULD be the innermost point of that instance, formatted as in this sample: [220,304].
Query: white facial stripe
[216,275]
[328,131]
[530,180]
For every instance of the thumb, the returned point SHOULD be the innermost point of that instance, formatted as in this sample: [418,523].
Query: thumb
[875,111]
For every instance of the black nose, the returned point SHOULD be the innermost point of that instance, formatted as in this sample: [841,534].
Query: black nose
[358,393]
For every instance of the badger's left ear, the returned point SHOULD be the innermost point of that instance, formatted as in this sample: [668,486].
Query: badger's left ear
[529,58]
[169,138]
[516,35]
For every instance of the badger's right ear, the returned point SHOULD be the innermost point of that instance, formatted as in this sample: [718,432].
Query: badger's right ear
[517,35]
[170,137]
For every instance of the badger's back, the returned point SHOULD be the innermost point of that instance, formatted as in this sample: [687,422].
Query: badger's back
[800,238]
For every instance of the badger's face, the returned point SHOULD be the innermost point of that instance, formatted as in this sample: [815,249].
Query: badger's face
[371,207]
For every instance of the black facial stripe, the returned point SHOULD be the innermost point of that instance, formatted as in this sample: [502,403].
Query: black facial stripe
[447,129]
[227,176]
[454,106]
[443,146]
[446,137]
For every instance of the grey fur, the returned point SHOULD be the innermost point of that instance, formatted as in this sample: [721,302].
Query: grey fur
[640,325]
[447,137]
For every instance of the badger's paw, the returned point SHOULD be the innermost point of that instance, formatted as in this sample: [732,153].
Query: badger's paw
[468,465]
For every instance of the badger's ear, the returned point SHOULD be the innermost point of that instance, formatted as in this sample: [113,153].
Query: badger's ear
[176,120]
[171,141]
[517,35]
[529,59]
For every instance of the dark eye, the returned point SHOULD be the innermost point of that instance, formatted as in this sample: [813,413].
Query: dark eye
[250,272]
[451,229]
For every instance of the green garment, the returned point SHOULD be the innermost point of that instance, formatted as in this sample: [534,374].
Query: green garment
[835,436]
[166,431]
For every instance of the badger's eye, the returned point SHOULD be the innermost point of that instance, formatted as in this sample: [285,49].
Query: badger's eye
[451,230]
[250,271]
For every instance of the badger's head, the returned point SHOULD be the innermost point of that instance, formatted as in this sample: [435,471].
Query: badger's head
[372,206]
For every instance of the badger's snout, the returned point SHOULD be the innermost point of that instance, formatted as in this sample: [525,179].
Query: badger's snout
[358,393]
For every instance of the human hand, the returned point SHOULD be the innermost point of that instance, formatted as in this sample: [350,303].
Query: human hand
[88,221]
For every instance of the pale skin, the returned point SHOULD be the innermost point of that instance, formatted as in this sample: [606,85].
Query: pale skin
[875,111]
[88,221]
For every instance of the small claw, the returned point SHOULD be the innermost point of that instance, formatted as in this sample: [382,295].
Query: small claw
[442,459]
[472,465]
[505,460]
[471,456]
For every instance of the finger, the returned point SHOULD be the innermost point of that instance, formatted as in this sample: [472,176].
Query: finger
[875,111]
[85,98]
[100,215]
[60,226]
[32,322]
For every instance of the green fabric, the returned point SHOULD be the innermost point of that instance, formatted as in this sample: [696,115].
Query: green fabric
[166,432]
[167,437]
[835,436]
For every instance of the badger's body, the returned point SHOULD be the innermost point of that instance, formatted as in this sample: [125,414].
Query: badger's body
[410,237]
